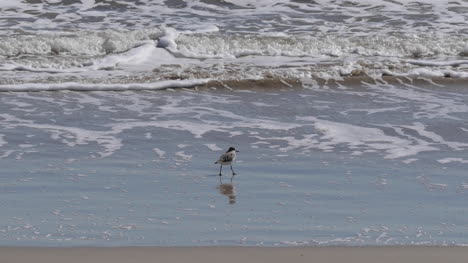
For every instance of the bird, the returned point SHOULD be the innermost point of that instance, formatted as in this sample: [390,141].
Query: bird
[227,159]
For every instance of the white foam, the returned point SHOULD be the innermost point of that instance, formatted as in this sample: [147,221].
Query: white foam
[428,104]
[6,154]
[453,159]
[197,129]
[87,4]
[164,84]
[429,73]
[168,39]
[436,186]
[464,51]
[410,160]
[12,4]
[159,152]
[261,104]
[71,136]
[2,141]
[182,155]
[198,29]
[87,43]
[14,67]
[452,63]
[205,50]
[213,147]
[134,56]
[359,138]
[373,111]
[421,130]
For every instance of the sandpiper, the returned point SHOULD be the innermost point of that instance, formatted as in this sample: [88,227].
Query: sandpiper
[227,159]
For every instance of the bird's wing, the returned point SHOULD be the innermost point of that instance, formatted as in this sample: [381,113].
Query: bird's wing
[226,157]
[220,159]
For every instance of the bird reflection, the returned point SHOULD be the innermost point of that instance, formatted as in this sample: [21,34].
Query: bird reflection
[228,190]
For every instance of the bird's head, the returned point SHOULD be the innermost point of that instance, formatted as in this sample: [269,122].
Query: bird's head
[232,149]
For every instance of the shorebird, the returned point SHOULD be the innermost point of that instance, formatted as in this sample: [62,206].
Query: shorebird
[227,159]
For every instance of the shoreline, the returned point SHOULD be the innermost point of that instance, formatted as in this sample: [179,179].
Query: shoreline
[245,84]
[414,254]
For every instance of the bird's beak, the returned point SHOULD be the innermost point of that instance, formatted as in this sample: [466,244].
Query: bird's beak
[237,151]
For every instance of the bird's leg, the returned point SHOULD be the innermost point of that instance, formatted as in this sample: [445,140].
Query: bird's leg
[233,173]
[220,167]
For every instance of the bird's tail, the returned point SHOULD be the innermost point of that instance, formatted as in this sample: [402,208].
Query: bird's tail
[216,162]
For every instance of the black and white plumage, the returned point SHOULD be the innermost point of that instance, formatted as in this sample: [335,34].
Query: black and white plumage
[227,159]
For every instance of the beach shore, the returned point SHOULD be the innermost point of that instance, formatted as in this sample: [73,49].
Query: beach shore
[235,254]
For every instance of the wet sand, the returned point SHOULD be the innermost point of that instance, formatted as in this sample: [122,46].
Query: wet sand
[318,167]
[235,254]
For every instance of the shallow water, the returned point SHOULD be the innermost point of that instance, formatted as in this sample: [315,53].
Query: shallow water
[372,164]
[350,118]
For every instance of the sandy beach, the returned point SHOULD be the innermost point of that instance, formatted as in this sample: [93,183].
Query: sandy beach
[235,254]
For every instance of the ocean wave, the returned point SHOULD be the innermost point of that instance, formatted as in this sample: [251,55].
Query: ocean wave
[210,43]
[163,84]
[258,84]
[80,43]
[240,16]
[320,45]
[162,54]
